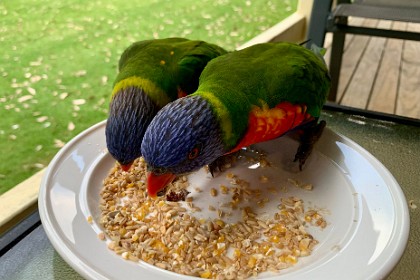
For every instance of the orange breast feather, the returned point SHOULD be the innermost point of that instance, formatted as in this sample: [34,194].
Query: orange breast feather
[269,123]
[181,93]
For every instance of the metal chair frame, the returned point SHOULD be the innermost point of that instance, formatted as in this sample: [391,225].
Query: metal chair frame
[326,18]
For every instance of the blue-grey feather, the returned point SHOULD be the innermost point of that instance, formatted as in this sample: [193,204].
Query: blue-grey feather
[130,113]
[178,128]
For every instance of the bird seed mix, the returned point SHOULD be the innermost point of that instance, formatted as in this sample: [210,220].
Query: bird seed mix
[166,233]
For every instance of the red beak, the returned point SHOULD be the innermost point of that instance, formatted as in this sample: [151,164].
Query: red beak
[155,183]
[126,167]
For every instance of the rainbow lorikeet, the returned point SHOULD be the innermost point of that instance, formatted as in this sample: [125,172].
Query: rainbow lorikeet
[244,97]
[151,74]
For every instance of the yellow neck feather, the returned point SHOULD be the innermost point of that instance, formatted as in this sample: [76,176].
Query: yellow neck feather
[153,91]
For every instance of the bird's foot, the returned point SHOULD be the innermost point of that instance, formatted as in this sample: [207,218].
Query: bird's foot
[222,163]
[310,135]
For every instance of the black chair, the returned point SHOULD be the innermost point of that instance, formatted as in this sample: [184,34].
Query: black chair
[325,18]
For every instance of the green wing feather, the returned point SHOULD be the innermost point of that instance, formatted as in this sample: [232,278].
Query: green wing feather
[193,62]
[167,63]
[262,74]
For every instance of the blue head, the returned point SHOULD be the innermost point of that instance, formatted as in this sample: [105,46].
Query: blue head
[184,136]
[130,112]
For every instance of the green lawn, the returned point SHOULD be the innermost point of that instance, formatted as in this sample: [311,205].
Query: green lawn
[58,60]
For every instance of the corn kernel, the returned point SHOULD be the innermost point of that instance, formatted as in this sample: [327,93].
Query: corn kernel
[290,259]
[280,228]
[224,189]
[205,274]
[265,248]
[252,261]
[159,245]
[220,222]
[141,213]
[125,255]
[304,244]
[135,237]
[218,252]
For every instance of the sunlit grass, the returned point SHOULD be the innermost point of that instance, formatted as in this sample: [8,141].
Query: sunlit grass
[58,60]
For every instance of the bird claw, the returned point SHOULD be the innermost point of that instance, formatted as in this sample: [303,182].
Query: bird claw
[222,163]
[307,141]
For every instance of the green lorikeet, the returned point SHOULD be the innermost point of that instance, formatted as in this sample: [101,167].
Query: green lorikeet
[152,73]
[244,97]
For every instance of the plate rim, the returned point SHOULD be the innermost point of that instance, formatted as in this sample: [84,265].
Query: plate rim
[399,200]
[66,253]
[402,218]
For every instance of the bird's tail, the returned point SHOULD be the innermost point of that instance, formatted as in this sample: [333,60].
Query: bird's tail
[319,51]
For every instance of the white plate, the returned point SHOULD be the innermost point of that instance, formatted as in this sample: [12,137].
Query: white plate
[368,221]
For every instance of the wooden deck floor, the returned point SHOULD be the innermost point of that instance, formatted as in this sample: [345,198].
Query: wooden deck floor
[380,74]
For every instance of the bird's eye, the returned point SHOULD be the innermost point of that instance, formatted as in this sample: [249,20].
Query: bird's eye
[194,152]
